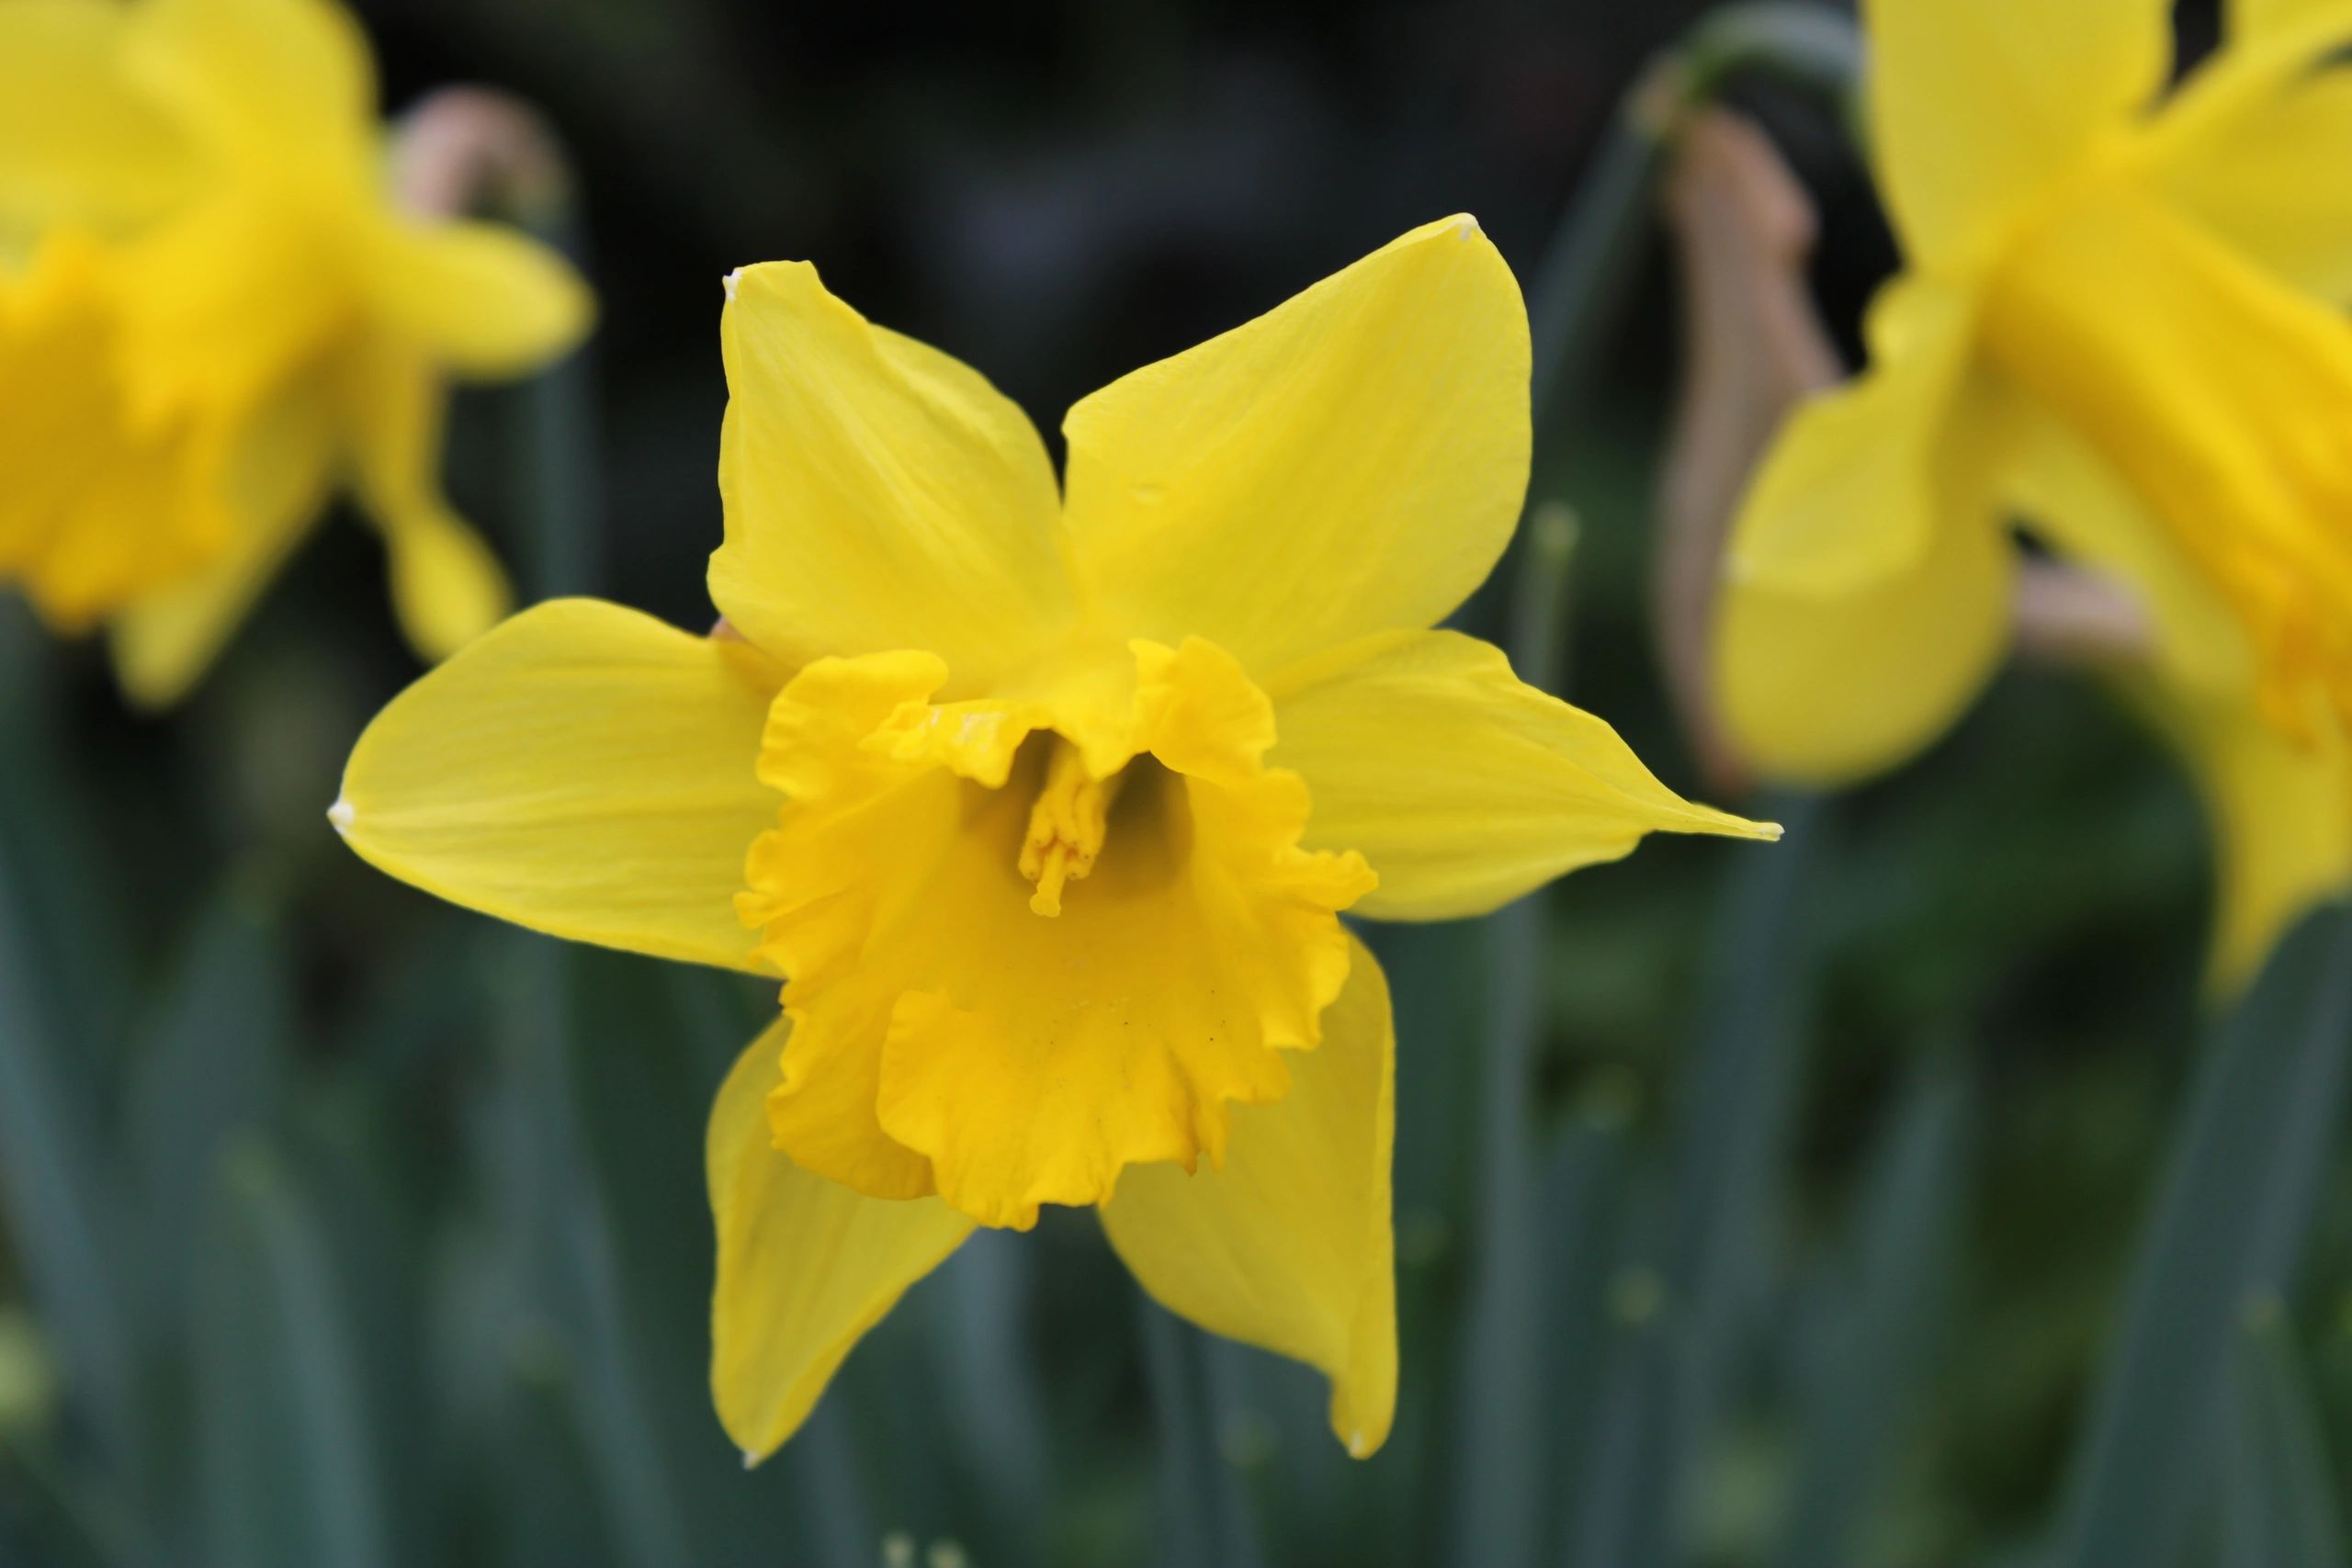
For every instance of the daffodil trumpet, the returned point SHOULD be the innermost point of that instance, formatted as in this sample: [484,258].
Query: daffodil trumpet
[1044,800]
[2119,325]
[212,317]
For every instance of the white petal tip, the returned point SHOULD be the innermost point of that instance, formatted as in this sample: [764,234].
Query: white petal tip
[752,1461]
[1465,226]
[341,814]
[728,282]
[1357,1447]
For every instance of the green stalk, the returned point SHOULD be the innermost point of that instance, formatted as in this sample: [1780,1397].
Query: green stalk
[2230,1226]
[1497,1514]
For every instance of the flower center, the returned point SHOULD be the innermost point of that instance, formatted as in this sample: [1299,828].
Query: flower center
[2223,397]
[1067,825]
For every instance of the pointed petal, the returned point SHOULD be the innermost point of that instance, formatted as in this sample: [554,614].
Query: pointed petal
[805,1266]
[1352,461]
[1976,107]
[447,586]
[478,298]
[1462,785]
[165,641]
[78,141]
[879,495]
[1289,1245]
[581,770]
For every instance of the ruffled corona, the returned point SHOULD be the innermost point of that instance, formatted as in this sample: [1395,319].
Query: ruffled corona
[1012,977]
[103,495]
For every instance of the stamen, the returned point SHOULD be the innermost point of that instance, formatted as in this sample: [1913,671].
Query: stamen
[1065,828]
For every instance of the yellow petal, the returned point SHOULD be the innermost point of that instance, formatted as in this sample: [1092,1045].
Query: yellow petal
[805,1266]
[2253,20]
[278,480]
[1288,1246]
[1846,493]
[1046,976]
[2075,500]
[2281,811]
[447,586]
[2268,178]
[581,770]
[1462,785]
[1349,462]
[879,495]
[78,141]
[1826,685]
[478,298]
[279,84]
[1976,106]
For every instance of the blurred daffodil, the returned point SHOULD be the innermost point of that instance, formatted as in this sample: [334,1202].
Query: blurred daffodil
[211,316]
[2119,326]
[1046,800]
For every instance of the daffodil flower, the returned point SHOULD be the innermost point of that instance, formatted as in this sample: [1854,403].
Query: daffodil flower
[2119,324]
[1046,800]
[211,316]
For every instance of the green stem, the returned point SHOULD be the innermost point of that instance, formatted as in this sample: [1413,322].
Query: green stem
[2230,1225]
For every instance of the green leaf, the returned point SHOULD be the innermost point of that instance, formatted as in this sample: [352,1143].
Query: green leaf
[1205,1520]
[2278,1498]
[2229,1225]
[61,1187]
[285,1443]
[1683,1317]
[1870,1375]
[212,1066]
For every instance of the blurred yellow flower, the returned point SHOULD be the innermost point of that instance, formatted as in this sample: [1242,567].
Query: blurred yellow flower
[1046,800]
[2119,325]
[211,316]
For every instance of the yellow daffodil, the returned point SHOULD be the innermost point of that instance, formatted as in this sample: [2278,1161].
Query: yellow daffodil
[211,315]
[1046,800]
[2119,326]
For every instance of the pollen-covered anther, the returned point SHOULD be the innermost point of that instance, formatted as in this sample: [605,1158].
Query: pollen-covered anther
[1067,825]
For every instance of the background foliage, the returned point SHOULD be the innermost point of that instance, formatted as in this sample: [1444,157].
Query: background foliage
[1876,1199]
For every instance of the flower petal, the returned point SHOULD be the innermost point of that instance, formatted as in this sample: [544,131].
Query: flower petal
[447,586]
[2268,177]
[804,1266]
[478,299]
[879,495]
[281,83]
[2282,831]
[1349,462]
[78,141]
[2251,21]
[1976,106]
[1462,785]
[1289,1244]
[1847,492]
[2075,500]
[278,479]
[1825,684]
[582,770]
